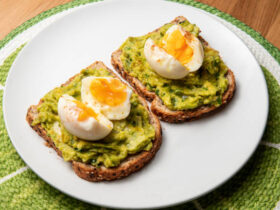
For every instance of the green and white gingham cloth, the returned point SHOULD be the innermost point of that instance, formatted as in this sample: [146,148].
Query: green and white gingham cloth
[255,186]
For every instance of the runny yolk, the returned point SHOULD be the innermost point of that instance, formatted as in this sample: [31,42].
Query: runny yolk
[85,111]
[175,44]
[111,92]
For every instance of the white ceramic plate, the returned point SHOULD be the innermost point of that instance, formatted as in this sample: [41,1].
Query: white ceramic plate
[195,157]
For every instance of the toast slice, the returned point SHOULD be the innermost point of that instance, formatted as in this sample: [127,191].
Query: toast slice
[157,106]
[92,173]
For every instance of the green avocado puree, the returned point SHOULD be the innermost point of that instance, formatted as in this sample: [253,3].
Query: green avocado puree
[129,136]
[203,87]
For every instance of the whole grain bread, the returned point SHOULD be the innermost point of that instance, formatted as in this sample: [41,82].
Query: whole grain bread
[157,106]
[88,172]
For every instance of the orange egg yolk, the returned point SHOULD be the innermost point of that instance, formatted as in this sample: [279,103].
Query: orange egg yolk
[175,44]
[85,111]
[111,92]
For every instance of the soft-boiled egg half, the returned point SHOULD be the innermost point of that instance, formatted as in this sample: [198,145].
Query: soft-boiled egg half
[178,53]
[82,120]
[107,94]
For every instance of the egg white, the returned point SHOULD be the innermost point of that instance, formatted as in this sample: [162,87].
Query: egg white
[89,129]
[111,112]
[163,63]
[168,66]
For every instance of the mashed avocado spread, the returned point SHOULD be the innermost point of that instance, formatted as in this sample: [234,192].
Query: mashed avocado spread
[129,136]
[203,87]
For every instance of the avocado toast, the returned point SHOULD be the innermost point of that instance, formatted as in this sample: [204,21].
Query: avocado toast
[198,94]
[132,143]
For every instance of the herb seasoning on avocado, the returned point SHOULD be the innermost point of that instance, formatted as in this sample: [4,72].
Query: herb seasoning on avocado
[203,87]
[129,136]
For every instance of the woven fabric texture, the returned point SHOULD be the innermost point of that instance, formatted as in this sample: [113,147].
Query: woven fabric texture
[256,186]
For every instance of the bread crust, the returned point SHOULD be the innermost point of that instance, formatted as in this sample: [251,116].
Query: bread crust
[91,173]
[157,105]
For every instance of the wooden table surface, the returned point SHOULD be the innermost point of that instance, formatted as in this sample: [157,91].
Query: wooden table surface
[261,15]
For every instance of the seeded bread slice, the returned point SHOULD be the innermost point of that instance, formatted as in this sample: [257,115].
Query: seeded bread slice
[157,106]
[91,173]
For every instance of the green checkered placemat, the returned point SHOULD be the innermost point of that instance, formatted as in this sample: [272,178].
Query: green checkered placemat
[255,186]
